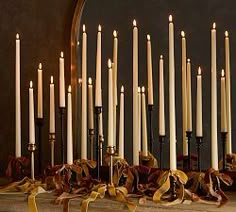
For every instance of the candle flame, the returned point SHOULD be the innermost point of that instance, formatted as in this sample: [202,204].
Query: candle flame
[122,89]
[182,34]
[90,81]
[62,54]
[17,36]
[77,43]
[214,25]
[223,73]
[31,84]
[161,56]
[80,80]
[99,28]
[51,79]
[148,37]
[188,60]
[115,33]
[69,89]
[40,66]
[83,28]
[170,18]
[226,33]
[143,89]
[134,23]
[109,63]
[139,90]
[199,72]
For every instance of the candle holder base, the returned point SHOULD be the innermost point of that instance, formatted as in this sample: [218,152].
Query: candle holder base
[31,149]
[39,124]
[111,152]
[162,141]
[62,114]
[52,139]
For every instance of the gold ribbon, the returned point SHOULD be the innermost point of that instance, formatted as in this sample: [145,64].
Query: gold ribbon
[149,161]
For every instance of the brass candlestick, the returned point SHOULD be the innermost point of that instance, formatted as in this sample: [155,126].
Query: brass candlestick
[32,148]
[52,139]
[111,152]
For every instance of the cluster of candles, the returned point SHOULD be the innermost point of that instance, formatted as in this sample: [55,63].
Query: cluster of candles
[139,99]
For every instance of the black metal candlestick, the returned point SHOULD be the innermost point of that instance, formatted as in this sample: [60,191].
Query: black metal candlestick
[111,152]
[32,148]
[173,188]
[62,114]
[52,139]
[162,141]
[98,110]
[223,140]
[39,124]
[150,109]
[189,136]
[199,144]
[91,139]
[101,141]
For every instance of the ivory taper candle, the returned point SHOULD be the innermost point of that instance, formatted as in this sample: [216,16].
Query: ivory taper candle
[98,84]
[135,95]
[139,119]
[52,108]
[144,125]
[223,103]
[214,147]
[90,105]
[69,128]
[228,94]
[84,97]
[162,129]
[189,97]
[110,106]
[18,101]
[172,96]
[149,70]
[31,115]
[122,123]
[199,132]
[40,91]
[184,94]
[62,102]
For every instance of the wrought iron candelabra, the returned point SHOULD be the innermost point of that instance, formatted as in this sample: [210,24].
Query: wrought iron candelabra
[91,139]
[98,110]
[52,139]
[39,124]
[62,115]
[111,152]
[150,109]
[199,145]
[223,140]
[32,148]
[162,141]
[189,136]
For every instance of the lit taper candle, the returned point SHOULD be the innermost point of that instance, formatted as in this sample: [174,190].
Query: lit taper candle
[189,97]
[162,129]
[31,115]
[90,104]
[144,125]
[139,119]
[122,123]
[199,132]
[69,128]
[52,108]
[62,102]
[223,103]
[40,91]
[149,70]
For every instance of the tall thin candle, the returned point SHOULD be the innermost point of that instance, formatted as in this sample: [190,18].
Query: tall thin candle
[69,128]
[62,102]
[189,97]
[199,132]
[52,108]
[40,91]
[144,125]
[122,123]
[149,70]
[162,129]
[90,105]
[223,103]
[139,119]
[31,115]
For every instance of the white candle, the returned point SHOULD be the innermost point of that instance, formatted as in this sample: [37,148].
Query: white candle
[144,125]
[31,115]
[110,106]
[18,100]
[199,132]
[135,95]
[139,119]
[223,103]
[162,129]
[114,68]
[189,97]
[90,105]
[52,108]
[122,124]
[172,96]
[40,91]
[69,129]
[228,94]
[214,147]
[62,102]
[84,97]
[184,95]
[149,70]
[98,87]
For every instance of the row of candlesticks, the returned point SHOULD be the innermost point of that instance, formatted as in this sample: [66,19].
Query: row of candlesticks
[139,101]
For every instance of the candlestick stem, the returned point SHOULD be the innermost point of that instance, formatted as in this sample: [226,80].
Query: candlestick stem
[62,114]
[189,136]
[98,110]
[39,124]
[199,144]
[150,109]
[101,140]
[111,152]
[162,141]
[91,139]
[173,188]
[52,139]
[32,148]
[223,140]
